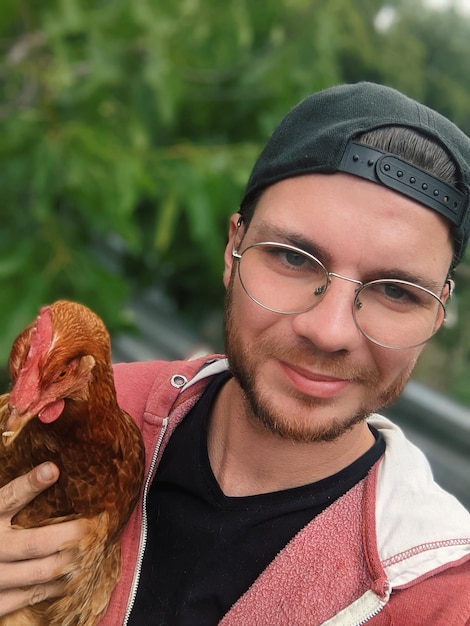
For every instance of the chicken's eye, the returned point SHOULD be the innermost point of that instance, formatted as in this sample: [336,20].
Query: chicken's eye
[62,375]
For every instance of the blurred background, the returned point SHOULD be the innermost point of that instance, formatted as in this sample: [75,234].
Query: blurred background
[129,128]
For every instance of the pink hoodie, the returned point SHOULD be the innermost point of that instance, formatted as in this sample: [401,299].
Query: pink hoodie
[394,550]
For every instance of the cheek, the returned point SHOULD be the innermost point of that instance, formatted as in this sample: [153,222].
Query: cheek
[248,320]
[228,275]
[395,364]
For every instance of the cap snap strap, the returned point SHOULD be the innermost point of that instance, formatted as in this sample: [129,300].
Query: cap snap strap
[409,180]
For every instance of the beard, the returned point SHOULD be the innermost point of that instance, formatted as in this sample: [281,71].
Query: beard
[302,427]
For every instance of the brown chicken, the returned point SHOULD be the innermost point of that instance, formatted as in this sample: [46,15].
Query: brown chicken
[62,407]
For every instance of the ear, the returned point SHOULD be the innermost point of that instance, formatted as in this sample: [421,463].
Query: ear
[448,290]
[228,257]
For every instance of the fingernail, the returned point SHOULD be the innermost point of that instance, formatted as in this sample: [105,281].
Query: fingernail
[46,473]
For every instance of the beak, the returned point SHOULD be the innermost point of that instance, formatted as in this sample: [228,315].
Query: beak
[15,424]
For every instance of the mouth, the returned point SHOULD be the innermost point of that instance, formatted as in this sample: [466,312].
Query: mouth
[313,383]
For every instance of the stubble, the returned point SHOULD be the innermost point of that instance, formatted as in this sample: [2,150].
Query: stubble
[302,427]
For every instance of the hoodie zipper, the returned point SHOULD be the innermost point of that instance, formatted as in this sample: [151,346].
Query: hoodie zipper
[361,610]
[144,527]
[371,615]
[178,381]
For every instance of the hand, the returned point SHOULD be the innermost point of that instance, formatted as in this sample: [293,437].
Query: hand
[31,560]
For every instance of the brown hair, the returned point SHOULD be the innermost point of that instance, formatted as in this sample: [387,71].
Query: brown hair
[414,147]
[418,149]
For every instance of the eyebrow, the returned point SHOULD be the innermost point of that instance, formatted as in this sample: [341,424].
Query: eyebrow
[299,240]
[416,279]
[281,235]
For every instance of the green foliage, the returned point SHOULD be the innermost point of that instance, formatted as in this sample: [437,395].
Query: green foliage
[129,130]
[128,133]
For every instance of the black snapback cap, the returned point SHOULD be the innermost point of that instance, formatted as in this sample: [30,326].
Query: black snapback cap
[319,135]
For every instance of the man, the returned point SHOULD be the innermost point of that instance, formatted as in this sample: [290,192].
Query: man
[274,494]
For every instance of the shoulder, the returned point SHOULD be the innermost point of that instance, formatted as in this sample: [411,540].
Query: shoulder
[141,382]
[134,382]
[441,599]
[419,532]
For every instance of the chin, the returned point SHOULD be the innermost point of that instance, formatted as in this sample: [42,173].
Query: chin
[306,420]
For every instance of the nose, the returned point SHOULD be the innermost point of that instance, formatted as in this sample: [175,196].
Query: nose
[330,325]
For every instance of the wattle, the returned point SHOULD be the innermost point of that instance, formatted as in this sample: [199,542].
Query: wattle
[51,411]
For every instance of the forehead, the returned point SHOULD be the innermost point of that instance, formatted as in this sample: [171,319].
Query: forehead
[355,222]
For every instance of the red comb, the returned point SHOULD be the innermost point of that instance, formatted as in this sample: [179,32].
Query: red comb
[25,386]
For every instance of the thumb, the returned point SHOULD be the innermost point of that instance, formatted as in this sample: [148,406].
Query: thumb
[17,493]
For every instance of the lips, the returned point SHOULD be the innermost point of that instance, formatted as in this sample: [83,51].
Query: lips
[314,384]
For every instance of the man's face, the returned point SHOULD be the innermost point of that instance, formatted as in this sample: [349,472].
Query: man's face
[311,376]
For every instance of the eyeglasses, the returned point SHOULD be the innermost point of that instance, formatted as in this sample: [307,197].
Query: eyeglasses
[391,313]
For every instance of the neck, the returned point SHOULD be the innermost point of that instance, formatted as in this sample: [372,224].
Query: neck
[248,459]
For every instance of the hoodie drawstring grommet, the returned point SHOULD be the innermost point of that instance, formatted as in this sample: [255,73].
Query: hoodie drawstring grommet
[178,380]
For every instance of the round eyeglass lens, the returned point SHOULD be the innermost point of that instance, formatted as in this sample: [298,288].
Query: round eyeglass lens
[282,278]
[397,314]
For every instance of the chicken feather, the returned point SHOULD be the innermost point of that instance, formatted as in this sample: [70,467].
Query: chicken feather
[62,407]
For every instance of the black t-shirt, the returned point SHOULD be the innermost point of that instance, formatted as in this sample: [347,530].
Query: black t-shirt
[205,549]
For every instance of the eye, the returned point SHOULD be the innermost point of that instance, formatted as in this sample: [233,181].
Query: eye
[398,293]
[62,374]
[285,259]
[397,296]
[293,258]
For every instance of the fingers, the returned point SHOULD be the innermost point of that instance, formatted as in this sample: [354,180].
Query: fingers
[32,562]
[14,599]
[18,544]
[16,494]
[33,559]
[35,572]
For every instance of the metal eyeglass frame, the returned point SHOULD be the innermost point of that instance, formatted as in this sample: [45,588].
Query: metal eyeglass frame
[321,291]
